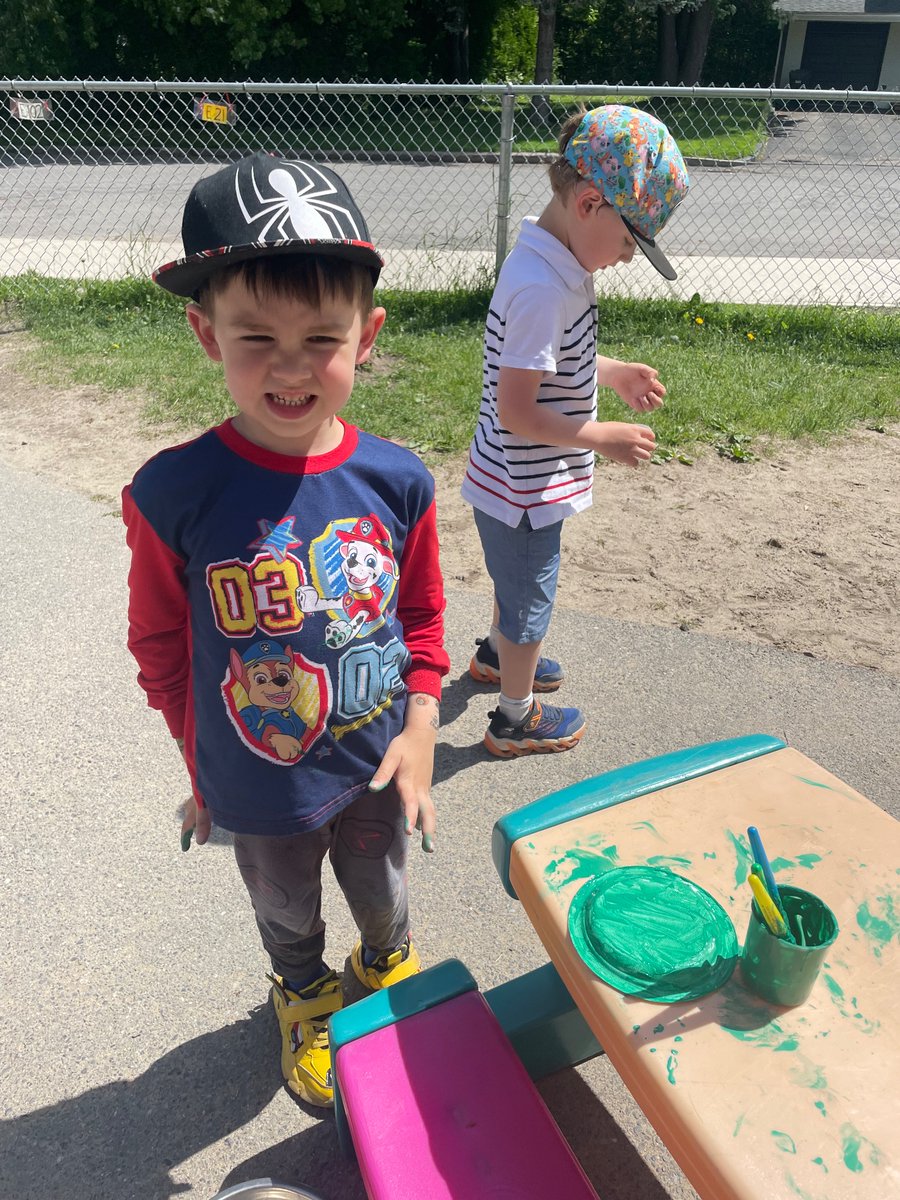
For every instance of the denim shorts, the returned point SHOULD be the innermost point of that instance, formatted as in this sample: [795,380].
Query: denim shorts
[523,564]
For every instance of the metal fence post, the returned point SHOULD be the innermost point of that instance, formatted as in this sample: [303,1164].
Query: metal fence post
[507,115]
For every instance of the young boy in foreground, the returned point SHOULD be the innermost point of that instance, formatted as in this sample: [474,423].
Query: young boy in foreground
[286,602]
[618,177]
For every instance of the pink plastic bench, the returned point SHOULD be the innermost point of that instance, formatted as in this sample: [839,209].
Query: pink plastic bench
[440,1107]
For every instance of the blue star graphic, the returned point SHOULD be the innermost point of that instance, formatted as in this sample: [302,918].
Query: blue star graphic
[277,538]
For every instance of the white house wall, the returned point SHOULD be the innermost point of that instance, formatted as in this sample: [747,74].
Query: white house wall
[890,70]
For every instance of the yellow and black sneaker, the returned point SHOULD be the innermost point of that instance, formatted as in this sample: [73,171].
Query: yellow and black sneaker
[388,969]
[305,1052]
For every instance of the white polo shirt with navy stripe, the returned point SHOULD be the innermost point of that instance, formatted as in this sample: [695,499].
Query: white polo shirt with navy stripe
[542,317]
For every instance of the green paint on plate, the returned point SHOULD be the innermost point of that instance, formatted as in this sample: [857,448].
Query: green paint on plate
[784,1141]
[652,933]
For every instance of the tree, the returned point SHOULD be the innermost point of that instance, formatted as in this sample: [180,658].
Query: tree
[683,31]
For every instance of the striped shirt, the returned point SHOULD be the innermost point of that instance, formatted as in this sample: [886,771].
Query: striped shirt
[543,317]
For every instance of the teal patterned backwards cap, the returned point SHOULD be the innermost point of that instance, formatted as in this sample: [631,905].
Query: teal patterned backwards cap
[635,162]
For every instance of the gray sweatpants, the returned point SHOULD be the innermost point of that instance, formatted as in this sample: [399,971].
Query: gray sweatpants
[368,848]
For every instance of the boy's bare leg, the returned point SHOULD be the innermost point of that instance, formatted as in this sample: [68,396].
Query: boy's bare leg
[517,666]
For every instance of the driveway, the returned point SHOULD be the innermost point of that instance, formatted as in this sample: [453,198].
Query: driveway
[140,1056]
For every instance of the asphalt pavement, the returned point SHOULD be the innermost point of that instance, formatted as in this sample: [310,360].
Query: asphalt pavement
[140,1058]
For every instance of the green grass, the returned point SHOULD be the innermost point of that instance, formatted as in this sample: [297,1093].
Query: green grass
[309,124]
[737,376]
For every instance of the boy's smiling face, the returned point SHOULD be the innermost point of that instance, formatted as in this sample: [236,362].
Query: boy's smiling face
[289,366]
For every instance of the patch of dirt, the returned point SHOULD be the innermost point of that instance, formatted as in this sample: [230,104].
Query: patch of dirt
[800,549]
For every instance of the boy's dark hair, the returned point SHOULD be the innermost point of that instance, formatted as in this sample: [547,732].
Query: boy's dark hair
[563,176]
[309,278]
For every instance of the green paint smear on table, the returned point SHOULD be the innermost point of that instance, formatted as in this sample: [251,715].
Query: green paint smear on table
[852,1142]
[881,929]
[743,855]
[668,860]
[577,865]
[827,786]
[802,860]
[796,1188]
[737,1127]
[820,1162]
[807,1074]
[784,1141]
[820,1105]
[671,1064]
[744,1019]
[658,1028]
[839,1000]
[650,827]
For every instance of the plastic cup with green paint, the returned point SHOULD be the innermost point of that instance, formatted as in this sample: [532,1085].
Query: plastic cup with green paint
[777,970]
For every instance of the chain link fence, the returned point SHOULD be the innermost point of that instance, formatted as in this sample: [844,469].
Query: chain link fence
[795,196]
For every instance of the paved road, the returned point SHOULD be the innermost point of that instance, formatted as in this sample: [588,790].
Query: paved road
[140,1061]
[773,209]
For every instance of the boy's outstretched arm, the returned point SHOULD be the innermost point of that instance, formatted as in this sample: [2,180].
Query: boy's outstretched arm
[409,758]
[635,383]
[409,761]
[520,413]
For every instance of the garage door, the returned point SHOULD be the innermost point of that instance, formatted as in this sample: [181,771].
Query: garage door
[844,54]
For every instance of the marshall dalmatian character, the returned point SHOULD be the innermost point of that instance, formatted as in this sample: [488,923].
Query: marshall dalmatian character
[366,556]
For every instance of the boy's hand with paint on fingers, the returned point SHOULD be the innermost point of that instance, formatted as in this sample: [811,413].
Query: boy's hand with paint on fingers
[409,761]
[196,824]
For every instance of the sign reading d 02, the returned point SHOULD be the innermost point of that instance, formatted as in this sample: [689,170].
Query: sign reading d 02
[30,110]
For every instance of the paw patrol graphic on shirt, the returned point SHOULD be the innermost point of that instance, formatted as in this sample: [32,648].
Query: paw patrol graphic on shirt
[354,574]
[276,699]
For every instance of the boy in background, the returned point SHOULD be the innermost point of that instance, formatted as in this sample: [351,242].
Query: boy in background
[617,180]
[286,602]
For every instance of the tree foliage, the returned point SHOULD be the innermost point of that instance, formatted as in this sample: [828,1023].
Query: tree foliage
[574,40]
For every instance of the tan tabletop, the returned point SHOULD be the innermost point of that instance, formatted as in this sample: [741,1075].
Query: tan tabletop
[752,1100]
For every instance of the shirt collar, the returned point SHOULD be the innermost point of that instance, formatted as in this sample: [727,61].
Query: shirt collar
[553,252]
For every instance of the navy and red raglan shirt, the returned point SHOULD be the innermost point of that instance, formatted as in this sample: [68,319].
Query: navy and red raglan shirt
[280,611]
